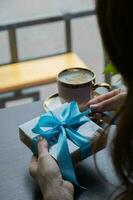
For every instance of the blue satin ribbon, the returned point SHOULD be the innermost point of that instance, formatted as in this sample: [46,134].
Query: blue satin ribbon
[60,127]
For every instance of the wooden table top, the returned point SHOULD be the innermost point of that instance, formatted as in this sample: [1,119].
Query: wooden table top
[36,72]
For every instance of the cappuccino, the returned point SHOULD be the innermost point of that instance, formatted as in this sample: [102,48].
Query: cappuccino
[76,76]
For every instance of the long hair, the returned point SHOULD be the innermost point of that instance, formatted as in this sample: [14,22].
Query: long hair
[116,27]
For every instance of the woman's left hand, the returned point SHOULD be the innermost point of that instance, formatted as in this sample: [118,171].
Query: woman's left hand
[111,101]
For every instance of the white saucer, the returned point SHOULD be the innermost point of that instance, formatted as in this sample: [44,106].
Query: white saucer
[52,102]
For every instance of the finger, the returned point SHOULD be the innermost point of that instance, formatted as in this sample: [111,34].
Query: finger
[105,118]
[98,115]
[42,147]
[104,97]
[33,165]
[107,105]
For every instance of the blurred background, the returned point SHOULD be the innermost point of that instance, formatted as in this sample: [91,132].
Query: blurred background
[44,39]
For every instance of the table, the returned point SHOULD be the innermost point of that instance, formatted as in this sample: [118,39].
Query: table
[15,181]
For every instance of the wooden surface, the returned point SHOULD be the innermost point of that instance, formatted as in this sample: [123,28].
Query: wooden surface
[36,72]
[15,181]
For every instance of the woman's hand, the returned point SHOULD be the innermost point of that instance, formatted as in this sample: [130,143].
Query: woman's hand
[47,174]
[111,101]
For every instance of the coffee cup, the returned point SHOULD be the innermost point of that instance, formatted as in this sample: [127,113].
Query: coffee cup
[77,84]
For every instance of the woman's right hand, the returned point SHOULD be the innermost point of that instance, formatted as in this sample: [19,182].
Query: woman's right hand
[111,101]
[46,172]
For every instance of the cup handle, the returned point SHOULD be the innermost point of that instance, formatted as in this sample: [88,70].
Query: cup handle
[106,85]
[103,85]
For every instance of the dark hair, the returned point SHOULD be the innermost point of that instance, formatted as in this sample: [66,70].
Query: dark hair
[115,21]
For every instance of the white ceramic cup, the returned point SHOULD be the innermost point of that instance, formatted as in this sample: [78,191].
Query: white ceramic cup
[76,84]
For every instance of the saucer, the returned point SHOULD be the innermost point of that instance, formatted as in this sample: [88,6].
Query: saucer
[52,102]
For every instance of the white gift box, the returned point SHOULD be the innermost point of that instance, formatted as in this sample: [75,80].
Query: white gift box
[90,130]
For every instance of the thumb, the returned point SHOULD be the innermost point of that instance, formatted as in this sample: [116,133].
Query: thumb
[42,147]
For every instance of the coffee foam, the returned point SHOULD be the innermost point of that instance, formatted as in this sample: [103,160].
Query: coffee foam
[76,76]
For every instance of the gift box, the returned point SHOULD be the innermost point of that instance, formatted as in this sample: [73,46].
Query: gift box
[71,135]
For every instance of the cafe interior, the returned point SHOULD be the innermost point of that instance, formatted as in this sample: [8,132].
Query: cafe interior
[43,45]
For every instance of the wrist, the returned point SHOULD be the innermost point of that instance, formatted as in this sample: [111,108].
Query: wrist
[58,191]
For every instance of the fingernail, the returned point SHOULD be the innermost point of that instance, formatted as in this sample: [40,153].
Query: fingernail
[39,138]
[93,107]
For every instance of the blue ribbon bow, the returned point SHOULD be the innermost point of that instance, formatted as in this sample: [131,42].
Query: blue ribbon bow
[63,125]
